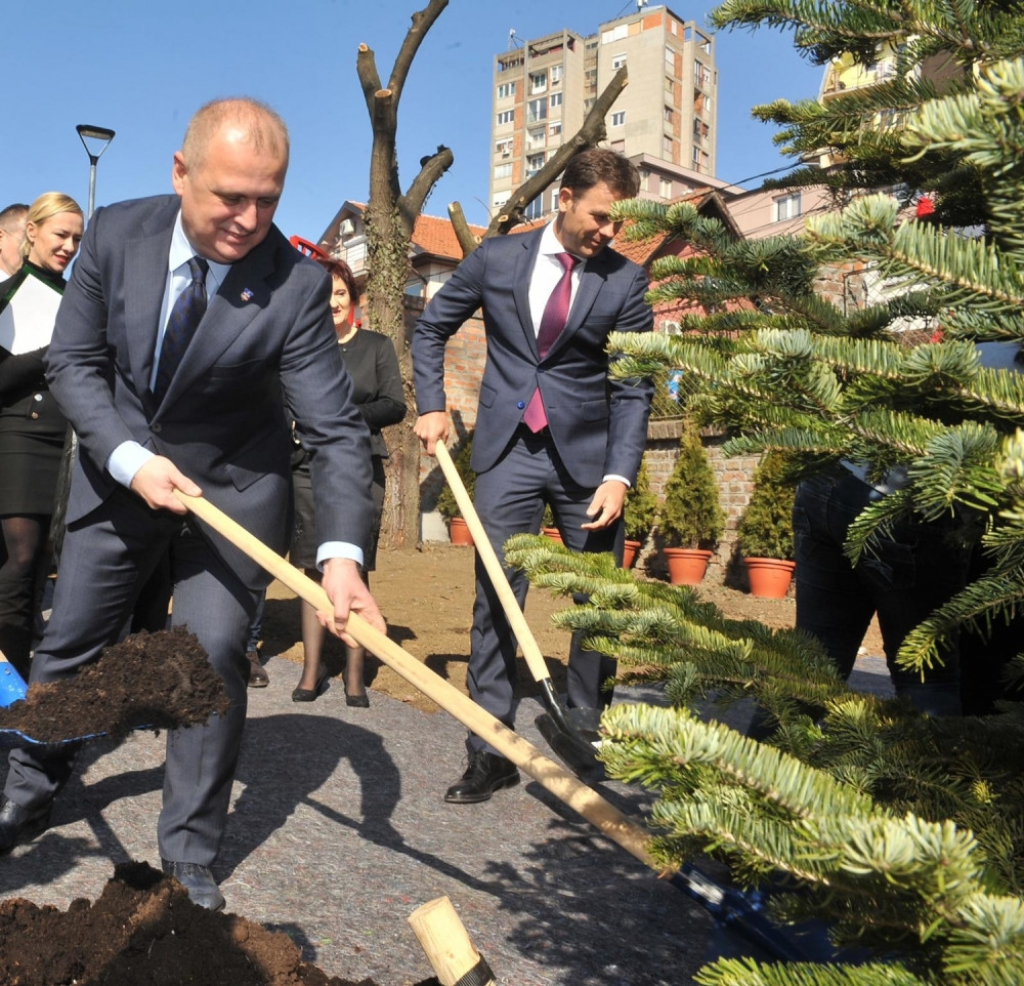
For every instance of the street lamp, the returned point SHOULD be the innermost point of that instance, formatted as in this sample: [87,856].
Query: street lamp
[102,137]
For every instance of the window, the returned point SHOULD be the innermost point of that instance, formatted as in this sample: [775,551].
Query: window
[787,207]
[666,147]
[503,170]
[500,199]
[504,148]
[506,117]
[538,82]
[535,209]
[668,114]
[670,86]
[617,62]
[535,138]
[670,59]
[556,74]
[534,162]
[701,75]
[619,119]
[665,188]
[695,157]
[506,89]
[554,200]
[556,99]
[536,109]
[555,128]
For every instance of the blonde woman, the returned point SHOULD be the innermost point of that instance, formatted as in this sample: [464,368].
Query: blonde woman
[32,429]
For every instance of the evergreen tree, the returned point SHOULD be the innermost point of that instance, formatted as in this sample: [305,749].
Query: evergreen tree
[905,833]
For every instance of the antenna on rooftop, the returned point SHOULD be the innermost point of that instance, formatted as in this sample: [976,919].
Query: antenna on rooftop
[511,38]
[640,4]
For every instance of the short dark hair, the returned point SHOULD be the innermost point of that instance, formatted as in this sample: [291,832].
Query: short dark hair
[11,215]
[338,268]
[590,168]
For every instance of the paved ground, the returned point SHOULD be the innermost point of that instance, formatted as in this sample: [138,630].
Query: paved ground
[338,832]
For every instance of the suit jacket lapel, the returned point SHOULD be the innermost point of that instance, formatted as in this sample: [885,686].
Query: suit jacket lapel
[242,295]
[526,258]
[145,278]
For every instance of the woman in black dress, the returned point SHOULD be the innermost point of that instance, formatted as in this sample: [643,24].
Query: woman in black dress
[377,391]
[32,429]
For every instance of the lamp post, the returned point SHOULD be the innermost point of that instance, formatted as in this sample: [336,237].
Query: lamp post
[102,137]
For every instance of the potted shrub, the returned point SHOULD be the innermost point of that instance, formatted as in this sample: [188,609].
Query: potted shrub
[447,507]
[638,514]
[547,525]
[690,519]
[766,530]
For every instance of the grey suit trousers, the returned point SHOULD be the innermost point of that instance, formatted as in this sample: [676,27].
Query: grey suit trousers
[510,499]
[106,558]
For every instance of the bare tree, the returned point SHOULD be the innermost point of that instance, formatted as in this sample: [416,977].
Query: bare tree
[589,135]
[389,218]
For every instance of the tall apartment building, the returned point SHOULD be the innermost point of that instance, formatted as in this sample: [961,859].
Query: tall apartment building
[544,88]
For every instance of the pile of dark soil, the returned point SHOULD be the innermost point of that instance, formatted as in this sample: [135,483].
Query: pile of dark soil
[144,929]
[158,680]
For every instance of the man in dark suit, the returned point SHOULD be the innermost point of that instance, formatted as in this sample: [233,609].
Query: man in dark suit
[551,426]
[185,319]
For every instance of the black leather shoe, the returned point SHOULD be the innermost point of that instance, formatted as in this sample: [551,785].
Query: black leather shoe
[311,694]
[19,825]
[198,881]
[486,773]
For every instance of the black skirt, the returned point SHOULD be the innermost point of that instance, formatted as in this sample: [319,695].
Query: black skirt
[305,542]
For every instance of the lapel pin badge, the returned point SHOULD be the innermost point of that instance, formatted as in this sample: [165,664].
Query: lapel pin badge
[247,295]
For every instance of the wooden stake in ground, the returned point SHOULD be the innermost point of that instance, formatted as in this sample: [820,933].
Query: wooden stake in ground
[445,940]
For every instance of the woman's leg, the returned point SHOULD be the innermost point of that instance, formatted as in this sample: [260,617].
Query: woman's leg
[25,544]
[312,642]
[355,660]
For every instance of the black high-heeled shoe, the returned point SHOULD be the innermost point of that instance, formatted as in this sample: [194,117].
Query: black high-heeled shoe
[357,701]
[311,694]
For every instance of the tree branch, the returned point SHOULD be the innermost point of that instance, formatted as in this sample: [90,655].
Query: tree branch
[422,21]
[467,239]
[431,169]
[589,135]
[369,78]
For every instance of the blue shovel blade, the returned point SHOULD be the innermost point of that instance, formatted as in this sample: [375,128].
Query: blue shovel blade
[13,689]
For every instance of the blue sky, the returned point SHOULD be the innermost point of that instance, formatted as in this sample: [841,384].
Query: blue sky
[141,69]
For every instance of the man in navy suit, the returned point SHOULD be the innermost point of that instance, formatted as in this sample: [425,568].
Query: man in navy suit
[213,422]
[551,426]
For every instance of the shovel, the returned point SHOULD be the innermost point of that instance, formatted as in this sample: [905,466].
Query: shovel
[732,910]
[571,733]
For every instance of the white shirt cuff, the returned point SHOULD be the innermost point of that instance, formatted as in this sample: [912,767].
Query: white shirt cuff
[621,479]
[126,460]
[338,549]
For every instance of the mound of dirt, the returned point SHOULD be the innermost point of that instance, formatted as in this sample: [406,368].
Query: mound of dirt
[144,929]
[158,680]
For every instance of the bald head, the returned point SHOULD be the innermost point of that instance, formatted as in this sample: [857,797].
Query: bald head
[12,233]
[244,120]
[230,174]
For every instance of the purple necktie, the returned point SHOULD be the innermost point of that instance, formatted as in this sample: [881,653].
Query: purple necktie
[556,313]
[186,314]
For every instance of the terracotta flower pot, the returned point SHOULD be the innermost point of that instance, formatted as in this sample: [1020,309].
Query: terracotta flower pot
[629,552]
[458,531]
[553,533]
[769,577]
[686,566]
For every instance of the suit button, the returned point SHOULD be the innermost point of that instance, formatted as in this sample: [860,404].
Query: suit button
[37,397]
[521,404]
[156,429]
[34,414]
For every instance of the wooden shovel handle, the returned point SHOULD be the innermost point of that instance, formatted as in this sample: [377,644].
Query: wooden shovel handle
[524,755]
[499,580]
